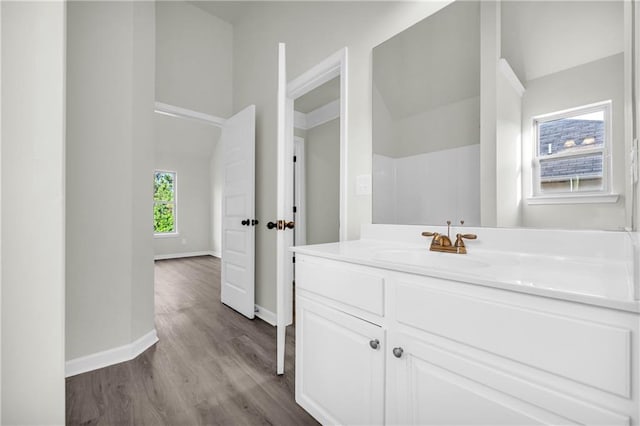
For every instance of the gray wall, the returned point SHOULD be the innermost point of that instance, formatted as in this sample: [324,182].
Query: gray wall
[322,178]
[110,84]
[194,63]
[303,26]
[194,195]
[582,85]
[194,59]
[32,214]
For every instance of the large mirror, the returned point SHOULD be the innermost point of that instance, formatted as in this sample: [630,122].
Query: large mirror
[511,113]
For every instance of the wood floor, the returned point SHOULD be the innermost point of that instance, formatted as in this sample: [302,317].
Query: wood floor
[211,365]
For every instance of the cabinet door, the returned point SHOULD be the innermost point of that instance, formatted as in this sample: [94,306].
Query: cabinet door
[339,365]
[428,386]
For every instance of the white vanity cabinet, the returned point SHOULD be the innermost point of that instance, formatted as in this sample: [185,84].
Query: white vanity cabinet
[456,353]
[340,365]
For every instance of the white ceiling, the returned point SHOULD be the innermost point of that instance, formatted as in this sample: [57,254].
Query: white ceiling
[436,62]
[543,37]
[318,97]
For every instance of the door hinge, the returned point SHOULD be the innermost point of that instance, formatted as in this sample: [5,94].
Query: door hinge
[295,209]
[295,158]
[293,259]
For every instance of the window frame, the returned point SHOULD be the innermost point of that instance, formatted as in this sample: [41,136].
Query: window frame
[175,232]
[604,195]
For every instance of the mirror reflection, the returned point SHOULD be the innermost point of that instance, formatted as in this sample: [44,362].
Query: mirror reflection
[540,145]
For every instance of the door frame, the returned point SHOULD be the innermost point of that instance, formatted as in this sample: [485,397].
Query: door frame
[336,65]
[328,69]
[299,190]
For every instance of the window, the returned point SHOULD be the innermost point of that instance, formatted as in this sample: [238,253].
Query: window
[164,202]
[571,155]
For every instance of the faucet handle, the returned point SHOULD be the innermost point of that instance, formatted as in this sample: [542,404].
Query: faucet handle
[429,234]
[459,237]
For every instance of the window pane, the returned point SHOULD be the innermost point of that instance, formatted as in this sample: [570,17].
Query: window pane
[163,217]
[571,134]
[573,174]
[163,186]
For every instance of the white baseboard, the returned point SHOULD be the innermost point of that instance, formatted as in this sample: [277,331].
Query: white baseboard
[215,254]
[188,254]
[111,356]
[265,315]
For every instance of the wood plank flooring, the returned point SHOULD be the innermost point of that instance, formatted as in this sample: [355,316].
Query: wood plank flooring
[211,365]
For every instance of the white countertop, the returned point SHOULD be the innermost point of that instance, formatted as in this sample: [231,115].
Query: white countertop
[591,280]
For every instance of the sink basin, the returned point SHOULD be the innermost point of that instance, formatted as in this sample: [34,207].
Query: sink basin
[422,257]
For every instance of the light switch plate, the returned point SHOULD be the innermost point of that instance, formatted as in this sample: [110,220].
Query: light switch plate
[363,185]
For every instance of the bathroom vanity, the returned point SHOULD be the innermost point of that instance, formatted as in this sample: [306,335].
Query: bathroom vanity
[529,327]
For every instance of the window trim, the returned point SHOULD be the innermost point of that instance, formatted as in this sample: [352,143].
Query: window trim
[604,195]
[175,233]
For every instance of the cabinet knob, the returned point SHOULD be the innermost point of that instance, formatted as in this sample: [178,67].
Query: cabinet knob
[397,352]
[375,344]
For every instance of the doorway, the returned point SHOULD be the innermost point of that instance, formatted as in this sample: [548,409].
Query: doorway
[335,66]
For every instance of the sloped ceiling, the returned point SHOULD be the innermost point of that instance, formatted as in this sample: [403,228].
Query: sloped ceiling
[543,37]
[436,62]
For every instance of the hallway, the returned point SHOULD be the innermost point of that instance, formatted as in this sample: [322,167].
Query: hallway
[211,365]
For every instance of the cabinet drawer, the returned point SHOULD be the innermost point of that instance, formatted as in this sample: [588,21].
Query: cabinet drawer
[591,353]
[356,286]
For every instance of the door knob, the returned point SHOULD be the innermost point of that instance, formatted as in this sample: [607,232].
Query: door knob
[397,352]
[375,344]
[271,225]
[246,222]
[289,225]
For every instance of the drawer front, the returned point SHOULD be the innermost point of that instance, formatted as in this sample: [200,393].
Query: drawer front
[352,285]
[591,353]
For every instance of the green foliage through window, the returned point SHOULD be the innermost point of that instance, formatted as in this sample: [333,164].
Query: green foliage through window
[164,206]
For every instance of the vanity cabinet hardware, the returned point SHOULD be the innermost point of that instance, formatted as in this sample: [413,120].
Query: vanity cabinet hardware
[397,352]
[246,222]
[254,222]
[375,344]
[271,225]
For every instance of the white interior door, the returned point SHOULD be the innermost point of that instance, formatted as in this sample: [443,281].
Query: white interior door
[284,258]
[238,203]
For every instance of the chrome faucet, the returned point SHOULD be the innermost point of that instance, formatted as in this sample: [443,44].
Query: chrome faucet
[442,243]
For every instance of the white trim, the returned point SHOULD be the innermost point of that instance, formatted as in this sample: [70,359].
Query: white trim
[300,199]
[330,68]
[318,116]
[511,76]
[324,114]
[575,198]
[166,234]
[324,71]
[186,254]
[179,112]
[266,315]
[111,356]
[607,176]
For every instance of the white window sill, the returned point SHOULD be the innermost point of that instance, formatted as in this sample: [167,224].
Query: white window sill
[167,235]
[574,199]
